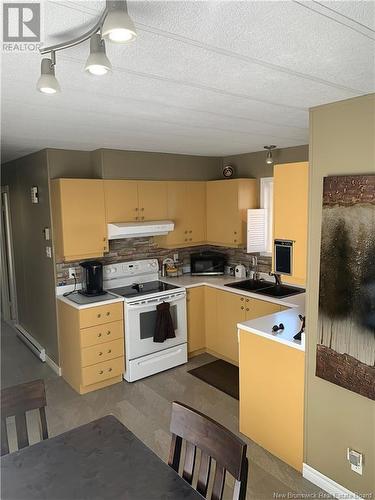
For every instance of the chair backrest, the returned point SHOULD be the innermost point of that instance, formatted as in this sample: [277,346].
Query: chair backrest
[215,442]
[15,402]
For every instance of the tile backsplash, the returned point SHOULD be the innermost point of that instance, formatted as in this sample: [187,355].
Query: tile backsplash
[146,248]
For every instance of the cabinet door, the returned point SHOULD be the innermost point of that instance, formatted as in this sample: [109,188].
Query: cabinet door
[230,311]
[178,213]
[255,308]
[79,218]
[223,221]
[196,197]
[291,213]
[153,200]
[121,200]
[210,302]
[195,319]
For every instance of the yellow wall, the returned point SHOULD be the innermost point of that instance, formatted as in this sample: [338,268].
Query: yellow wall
[341,142]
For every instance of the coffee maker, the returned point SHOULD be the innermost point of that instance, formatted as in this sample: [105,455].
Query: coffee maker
[92,278]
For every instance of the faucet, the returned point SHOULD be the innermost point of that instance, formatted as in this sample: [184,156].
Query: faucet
[277,278]
[254,264]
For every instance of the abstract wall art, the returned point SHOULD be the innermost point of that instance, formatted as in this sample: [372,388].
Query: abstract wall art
[346,336]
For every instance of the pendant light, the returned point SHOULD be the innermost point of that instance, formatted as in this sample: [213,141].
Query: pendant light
[269,158]
[97,63]
[47,83]
[118,27]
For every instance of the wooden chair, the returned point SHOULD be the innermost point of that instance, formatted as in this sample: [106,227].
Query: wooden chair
[215,442]
[15,402]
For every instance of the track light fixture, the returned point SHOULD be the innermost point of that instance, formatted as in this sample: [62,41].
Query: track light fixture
[47,83]
[118,26]
[269,158]
[97,63]
[114,24]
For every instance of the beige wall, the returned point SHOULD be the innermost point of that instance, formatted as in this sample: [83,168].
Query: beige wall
[254,164]
[117,164]
[342,141]
[71,163]
[35,272]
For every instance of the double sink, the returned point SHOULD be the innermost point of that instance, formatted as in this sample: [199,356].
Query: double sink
[266,288]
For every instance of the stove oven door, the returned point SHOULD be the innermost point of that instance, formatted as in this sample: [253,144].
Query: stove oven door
[140,321]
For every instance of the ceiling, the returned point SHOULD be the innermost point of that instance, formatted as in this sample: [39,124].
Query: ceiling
[208,78]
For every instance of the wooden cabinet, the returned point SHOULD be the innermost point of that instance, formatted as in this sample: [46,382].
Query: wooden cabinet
[91,345]
[187,209]
[291,213]
[195,319]
[227,204]
[152,200]
[230,309]
[271,396]
[121,200]
[78,217]
[128,201]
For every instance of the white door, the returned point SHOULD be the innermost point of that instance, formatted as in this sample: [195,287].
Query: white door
[140,322]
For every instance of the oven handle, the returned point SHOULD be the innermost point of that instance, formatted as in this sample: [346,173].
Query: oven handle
[156,300]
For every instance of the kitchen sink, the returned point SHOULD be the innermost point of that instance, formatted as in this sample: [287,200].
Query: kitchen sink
[250,285]
[266,288]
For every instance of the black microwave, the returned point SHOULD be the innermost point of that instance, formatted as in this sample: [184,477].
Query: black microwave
[207,263]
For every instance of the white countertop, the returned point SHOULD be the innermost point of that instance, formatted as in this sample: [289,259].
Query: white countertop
[259,326]
[60,290]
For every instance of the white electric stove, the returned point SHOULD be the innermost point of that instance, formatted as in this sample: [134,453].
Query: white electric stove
[138,283]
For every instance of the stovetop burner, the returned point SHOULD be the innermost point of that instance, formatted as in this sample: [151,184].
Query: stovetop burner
[139,289]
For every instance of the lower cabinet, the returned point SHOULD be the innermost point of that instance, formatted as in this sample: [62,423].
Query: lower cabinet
[195,319]
[272,396]
[91,342]
[213,315]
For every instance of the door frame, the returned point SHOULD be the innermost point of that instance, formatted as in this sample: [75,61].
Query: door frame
[8,276]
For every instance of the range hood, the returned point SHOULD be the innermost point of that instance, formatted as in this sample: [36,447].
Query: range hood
[121,230]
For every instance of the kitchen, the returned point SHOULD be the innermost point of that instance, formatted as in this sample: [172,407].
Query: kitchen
[143,277]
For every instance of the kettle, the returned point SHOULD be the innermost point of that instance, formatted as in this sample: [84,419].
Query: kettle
[240,271]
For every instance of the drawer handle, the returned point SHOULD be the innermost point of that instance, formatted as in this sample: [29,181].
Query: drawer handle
[100,354]
[242,299]
[109,369]
[186,232]
[109,351]
[247,300]
[99,335]
[242,307]
[108,313]
[99,315]
[247,309]
[190,232]
[235,241]
[101,372]
[109,332]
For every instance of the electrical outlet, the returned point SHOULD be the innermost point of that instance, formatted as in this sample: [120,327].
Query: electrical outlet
[355,459]
[175,257]
[49,252]
[72,272]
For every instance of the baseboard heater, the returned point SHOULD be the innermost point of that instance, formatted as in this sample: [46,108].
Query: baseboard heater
[31,343]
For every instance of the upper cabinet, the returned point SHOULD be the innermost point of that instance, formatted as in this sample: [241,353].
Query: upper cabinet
[187,209]
[78,216]
[128,201]
[290,213]
[227,204]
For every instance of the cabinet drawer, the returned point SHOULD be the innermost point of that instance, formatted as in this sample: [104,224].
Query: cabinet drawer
[102,352]
[101,314]
[101,333]
[102,371]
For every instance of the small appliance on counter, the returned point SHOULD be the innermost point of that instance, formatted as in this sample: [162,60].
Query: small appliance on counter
[240,271]
[207,263]
[92,278]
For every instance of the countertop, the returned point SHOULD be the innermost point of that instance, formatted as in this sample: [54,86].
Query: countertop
[60,290]
[259,326]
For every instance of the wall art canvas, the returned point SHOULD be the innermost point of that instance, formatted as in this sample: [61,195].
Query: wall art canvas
[346,337]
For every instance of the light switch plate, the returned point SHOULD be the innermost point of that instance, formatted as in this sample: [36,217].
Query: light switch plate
[355,459]
[49,252]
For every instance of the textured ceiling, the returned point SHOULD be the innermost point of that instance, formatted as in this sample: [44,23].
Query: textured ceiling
[207,78]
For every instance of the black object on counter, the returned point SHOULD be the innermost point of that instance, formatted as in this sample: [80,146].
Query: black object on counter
[92,278]
[298,336]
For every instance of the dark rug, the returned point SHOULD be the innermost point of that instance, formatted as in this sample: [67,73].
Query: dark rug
[220,374]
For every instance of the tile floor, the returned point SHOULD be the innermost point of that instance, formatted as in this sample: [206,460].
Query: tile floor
[144,407]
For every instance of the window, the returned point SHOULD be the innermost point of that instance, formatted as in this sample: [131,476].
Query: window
[266,202]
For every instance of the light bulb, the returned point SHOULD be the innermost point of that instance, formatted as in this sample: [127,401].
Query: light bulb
[47,83]
[97,63]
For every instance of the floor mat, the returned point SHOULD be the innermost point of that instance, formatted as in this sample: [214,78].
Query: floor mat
[220,374]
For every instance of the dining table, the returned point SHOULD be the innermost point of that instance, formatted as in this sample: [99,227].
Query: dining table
[99,460]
